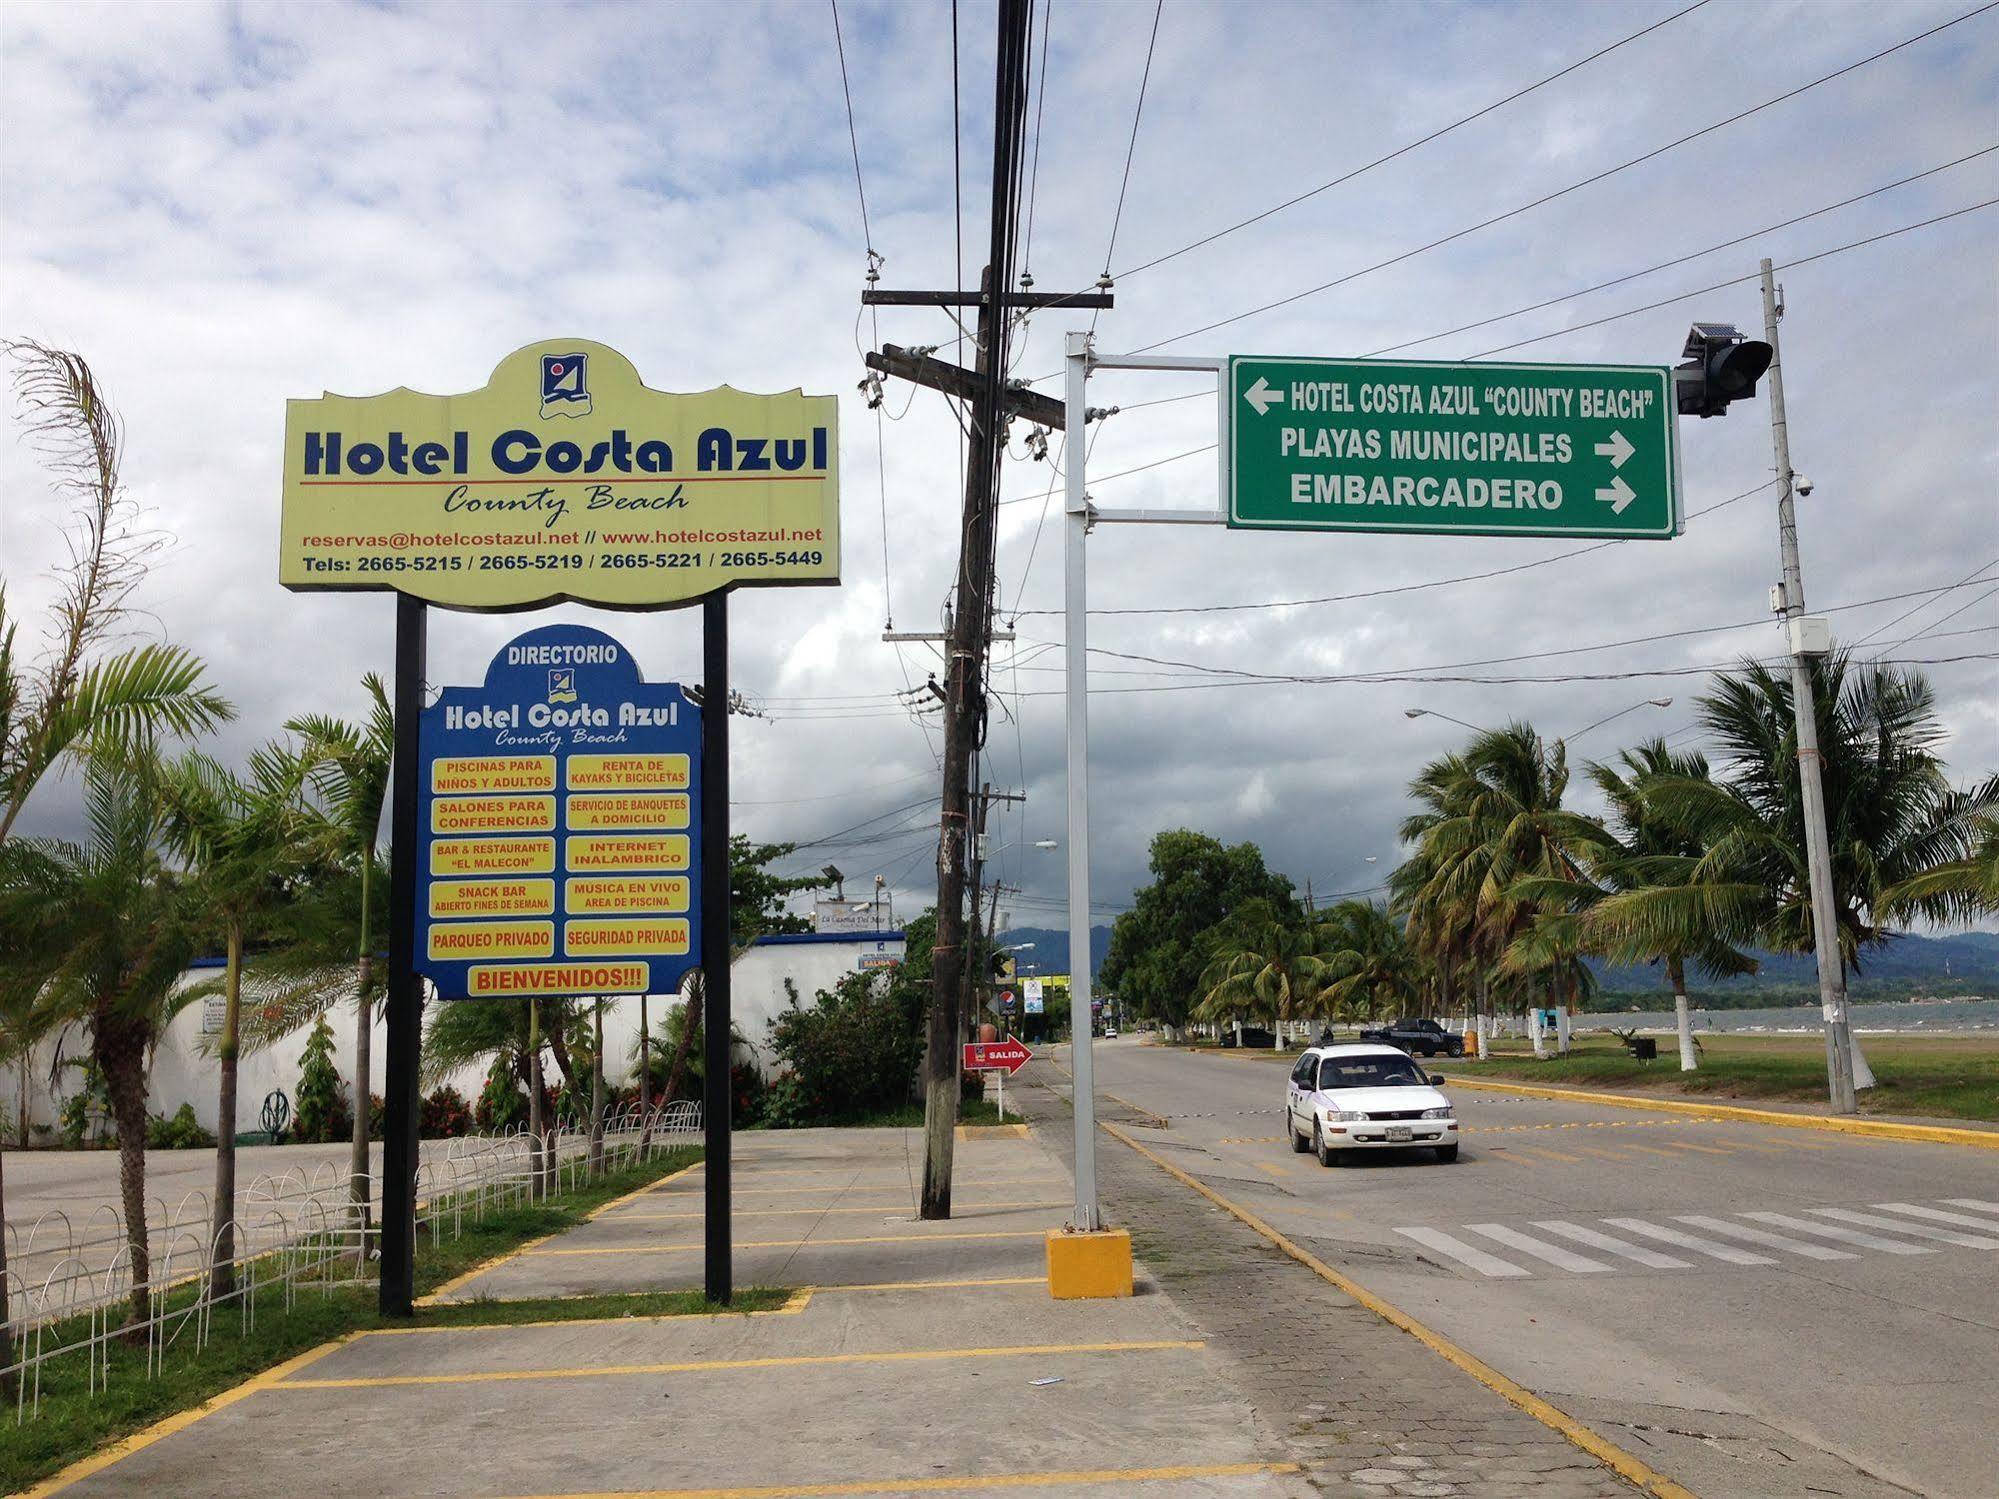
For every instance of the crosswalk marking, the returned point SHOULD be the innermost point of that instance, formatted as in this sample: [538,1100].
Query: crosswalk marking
[1938,1214]
[1554,1254]
[1767,1239]
[1542,1152]
[1709,1247]
[1841,1235]
[1689,1145]
[1595,1240]
[1463,1253]
[1976,1204]
[1920,1230]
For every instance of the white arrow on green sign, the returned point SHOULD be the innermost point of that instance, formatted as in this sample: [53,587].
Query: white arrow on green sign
[1453,449]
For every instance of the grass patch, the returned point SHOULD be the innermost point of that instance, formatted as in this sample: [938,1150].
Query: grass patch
[1951,1077]
[72,1425]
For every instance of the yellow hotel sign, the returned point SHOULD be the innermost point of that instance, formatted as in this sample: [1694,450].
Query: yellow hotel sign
[564,478]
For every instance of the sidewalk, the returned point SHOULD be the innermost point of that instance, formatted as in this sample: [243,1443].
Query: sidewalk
[917,1358]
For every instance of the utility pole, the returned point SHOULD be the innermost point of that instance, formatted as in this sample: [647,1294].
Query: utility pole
[1818,854]
[988,402]
[974,978]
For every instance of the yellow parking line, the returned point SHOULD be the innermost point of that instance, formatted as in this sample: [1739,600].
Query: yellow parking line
[935,1484]
[97,1462]
[1608,1155]
[1543,1152]
[630,1196]
[702,1366]
[794,1304]
[1652,1150]
[939,1285]
[1499,1154]
[1010,1233]
[742,1182]
[969,1209]
[1752,1145]
[1689,1145]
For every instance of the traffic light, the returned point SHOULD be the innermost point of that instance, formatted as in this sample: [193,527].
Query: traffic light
[1721,366]
[1002,965]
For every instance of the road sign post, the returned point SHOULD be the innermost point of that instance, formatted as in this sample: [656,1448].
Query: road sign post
[1452,449]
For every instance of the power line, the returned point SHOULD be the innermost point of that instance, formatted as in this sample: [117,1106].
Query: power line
[1404,150]
[1918,608]
[852,139]
[1664,265]
[1376,593]
[1701,291]
[1034,171]
[1572,187]
[1131,147]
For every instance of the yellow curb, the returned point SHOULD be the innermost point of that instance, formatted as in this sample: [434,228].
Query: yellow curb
[795,1303]
[1879,1129]
[1627,1465]
[179,1421]
[992,1131]
[652,1186]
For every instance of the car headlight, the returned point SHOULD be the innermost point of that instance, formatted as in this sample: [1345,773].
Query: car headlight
[1440,1113]
[1345,1116]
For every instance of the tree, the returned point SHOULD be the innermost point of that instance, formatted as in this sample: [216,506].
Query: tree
[1369,957]
[1891,815]
[120,702]
[350,763]
[1262,965]
[1956,890]
[1493,818]
[1641,848]
[246,842]
[112,929]
[1156,957]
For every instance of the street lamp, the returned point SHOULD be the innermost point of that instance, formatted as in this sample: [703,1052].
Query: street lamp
[1433,713]
[1650,702]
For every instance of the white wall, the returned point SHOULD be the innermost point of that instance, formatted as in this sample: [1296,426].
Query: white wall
[183,1073]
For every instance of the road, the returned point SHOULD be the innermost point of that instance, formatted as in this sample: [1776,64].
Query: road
[1734,1297]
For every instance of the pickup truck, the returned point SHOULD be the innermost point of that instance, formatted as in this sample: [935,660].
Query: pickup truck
[1413,1036]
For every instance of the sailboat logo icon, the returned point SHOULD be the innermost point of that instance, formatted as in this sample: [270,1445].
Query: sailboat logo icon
[565,385]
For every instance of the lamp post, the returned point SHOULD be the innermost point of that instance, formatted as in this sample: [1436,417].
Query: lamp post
[1433,713]
[1650,702]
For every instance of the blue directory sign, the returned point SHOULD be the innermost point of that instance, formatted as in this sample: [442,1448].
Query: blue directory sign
[560,818]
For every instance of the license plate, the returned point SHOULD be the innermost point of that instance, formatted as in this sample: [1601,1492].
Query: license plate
[1397,1132]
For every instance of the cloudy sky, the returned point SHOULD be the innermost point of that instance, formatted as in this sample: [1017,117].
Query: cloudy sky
[225,205]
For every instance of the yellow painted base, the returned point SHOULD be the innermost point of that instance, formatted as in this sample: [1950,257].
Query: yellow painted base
[1093,1266]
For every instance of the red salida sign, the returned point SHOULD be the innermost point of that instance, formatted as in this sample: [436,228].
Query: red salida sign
[1009,1055]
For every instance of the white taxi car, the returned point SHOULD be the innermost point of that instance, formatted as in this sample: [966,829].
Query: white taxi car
[1366,1097]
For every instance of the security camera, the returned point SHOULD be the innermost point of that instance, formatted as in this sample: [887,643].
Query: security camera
[1804,484]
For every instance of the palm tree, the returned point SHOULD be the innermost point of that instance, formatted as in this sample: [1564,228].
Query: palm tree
[1263,965]
[1641,849]
[113,929]
[1492,818]
[1370,951]
[351,772]
[120,702]
[1957,890]
[246,843]
[1891,815]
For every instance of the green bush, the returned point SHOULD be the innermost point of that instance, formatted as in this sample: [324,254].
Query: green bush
[73,1119]
[182,1132]
[445,1113]
[849,1054]
[503,1103]
[319,1108]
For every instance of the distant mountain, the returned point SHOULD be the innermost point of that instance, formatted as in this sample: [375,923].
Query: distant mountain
[1050,947]
[1962,963]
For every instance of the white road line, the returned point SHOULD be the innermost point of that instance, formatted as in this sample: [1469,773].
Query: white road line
[1554,1254]
[1769,1240]
[1920,1230]
[1636,1252]
[1975,1204]
[1708,1247]
[1961,1219]
[1843,1235]
[1466,1254]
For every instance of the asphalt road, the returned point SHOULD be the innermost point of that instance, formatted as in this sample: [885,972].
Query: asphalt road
[1771,1310]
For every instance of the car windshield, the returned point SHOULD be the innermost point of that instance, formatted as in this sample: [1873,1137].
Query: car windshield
[1368,1072]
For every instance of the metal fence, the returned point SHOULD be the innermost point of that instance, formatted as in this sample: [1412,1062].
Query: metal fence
[69,1286]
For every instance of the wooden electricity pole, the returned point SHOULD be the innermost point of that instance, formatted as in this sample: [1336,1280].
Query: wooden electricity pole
[988,403]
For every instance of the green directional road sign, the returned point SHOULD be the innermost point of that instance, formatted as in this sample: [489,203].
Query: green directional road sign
[1453,449]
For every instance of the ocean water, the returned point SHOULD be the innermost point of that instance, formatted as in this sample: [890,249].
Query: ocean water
[1931,1016]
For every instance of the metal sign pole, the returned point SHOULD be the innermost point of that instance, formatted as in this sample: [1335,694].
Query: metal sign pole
[404,1009]
[715,1017]
[1076,694]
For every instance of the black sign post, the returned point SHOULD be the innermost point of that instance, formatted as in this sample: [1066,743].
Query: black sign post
[404,1019]
[715,1019]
